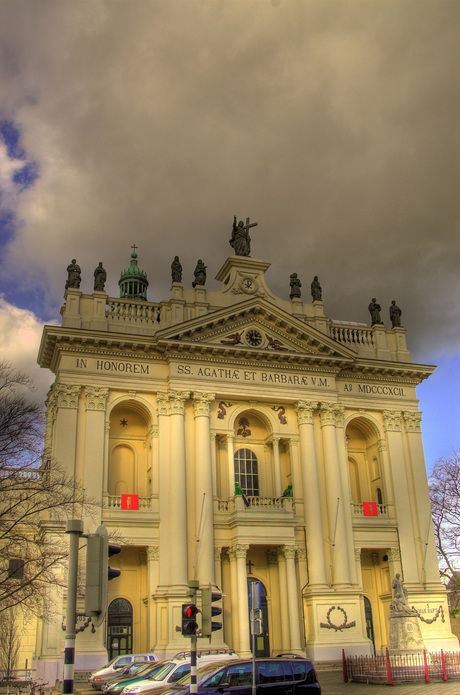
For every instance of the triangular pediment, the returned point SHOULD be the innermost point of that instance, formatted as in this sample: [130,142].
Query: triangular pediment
[257,329]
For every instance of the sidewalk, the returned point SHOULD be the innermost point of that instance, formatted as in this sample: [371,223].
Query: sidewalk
[332,684]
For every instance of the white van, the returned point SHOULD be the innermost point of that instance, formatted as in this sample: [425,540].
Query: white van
[173,669]
[117,666]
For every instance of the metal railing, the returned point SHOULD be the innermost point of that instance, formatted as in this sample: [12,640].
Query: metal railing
[260,503]
[402,668]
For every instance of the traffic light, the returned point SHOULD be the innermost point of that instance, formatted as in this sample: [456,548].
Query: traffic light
[189,624]
[98,573]
[208,611]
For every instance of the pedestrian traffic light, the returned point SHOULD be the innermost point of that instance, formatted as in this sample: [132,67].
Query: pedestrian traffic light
[98,573]
[189,624]
[208,611]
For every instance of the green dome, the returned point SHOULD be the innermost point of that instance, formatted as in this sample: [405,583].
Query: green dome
[133,282]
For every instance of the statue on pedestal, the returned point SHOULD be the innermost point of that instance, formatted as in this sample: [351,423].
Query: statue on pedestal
[73,275]
[100,276]
[295,286]
[395,315]
[316,290]
[374,310]
[176,270]
[200,274]
[405,634]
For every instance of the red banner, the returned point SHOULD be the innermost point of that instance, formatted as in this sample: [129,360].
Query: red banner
[370,509]
[130,501]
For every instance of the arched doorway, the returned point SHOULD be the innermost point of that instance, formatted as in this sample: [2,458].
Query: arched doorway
[119,628]
[262,642]
[369,622]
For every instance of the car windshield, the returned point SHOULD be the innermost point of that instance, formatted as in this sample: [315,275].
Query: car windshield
[202,674]
[146,668]
[162,672]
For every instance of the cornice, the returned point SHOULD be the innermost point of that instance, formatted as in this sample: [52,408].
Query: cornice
[387,371]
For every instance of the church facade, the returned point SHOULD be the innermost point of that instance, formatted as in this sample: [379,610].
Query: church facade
[233,436]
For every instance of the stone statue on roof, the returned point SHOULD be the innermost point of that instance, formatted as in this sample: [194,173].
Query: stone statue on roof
[395,315]
[73,275]
[316,290]
[176,270]
[374,310]
[200,274]
[295,285]
[100,277]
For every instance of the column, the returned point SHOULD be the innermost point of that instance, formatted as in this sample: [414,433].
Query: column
[292,598]
[203,486]
[344,476]
[276,466]
[164,494]
[311,494]
[218,566]
[297,486]
[335,497]
[244,648]
[283,600]
[234,596]
[403,507]
[177,503]
[231,466]
[153,579]
[66,400]
[96,400]
[429,571]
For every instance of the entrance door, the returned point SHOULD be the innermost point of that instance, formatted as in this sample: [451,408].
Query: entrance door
[262,641]
[119,628]
[369,622]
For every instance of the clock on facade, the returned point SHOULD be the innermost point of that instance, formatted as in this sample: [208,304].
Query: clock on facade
[253,337]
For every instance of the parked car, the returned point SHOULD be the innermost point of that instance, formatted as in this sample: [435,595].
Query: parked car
[174,669]
[116,666]
[119,683]
[285,676]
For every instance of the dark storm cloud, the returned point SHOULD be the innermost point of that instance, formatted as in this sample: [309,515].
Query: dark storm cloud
[333,124]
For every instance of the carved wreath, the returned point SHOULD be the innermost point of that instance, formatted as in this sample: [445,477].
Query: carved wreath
[330,625]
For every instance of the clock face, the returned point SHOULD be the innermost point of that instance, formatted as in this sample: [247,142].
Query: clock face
[253,337]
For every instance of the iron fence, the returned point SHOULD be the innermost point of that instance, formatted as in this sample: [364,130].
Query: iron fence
[392,669]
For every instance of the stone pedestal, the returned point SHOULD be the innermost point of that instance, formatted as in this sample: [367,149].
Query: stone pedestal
[405,635]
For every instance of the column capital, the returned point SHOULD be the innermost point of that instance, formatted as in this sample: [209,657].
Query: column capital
[301,554]
[392,420]
[305,410]
[331,414]
[162,403]
[238,551]
[65,396]
[202,403]
[289,551]
[412,421]
[177,402]
[96,397]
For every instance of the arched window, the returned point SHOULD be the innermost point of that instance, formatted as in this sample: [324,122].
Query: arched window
[246,471]
[120,628]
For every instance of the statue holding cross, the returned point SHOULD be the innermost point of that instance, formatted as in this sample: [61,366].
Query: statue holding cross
[241,241]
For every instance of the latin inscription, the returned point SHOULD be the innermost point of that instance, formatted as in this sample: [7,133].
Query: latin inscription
[113,366]
[245,376]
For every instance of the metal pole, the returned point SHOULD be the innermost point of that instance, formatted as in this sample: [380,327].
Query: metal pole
[74,528]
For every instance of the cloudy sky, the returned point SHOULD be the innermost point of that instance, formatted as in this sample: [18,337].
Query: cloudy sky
[332,123]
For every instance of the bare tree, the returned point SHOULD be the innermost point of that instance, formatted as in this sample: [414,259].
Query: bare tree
[9,643]
[445,504]
[35,498]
